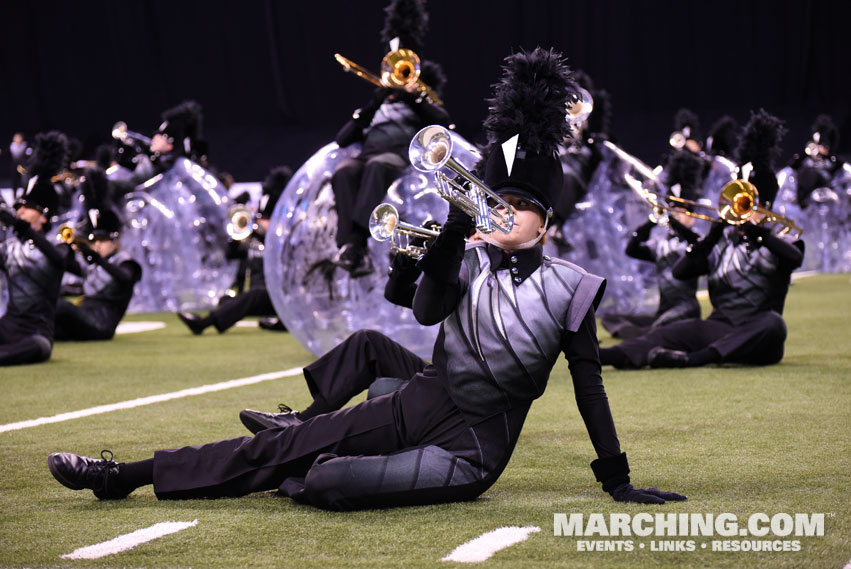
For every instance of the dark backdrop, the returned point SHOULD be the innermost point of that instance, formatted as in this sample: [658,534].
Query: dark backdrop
[272,93]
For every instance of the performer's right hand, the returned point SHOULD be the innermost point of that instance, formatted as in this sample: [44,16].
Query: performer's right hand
[626,493]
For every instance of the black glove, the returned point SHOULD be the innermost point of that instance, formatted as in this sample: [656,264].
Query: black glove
[626,493]
[458,221]
[643,232]
[406,96]
[7,218]
[21,226]
[86,251]
[755,233]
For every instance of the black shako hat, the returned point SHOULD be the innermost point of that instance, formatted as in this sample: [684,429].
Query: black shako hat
[273,186]
[40,195]
[182,124]
[526,124]
[825,133]
[759,146]
[49,157]
[104,224]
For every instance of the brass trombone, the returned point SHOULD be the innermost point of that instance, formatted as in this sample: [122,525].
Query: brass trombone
[431,152]
[384,225]
[400,69]
[739,202]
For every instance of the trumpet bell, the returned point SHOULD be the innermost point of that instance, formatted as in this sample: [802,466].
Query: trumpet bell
[383,221]
[119,131]
[65,233]
[430,149]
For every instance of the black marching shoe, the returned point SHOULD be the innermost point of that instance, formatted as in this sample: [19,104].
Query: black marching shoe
[80,472]
[192,321]
[256,421]
[663,357]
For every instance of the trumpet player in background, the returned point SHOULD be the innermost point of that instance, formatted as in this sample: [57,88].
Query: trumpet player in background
[33,263]
[248,243]
[384,127]
[109,276]
[677,297]
[748,269]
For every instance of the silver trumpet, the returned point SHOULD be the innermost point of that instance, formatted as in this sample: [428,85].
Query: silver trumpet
[431,152]
[384,224]
[242,222]
[128,137]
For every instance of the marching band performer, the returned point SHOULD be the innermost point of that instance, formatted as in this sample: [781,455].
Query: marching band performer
[677,297]
[748,269]
[449,433]
[255,301]
[109,274]
[33,264]
[384,127]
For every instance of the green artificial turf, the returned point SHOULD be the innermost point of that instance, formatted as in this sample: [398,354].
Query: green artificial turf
[734,439]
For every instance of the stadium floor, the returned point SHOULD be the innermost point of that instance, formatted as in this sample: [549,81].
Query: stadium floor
[736,440]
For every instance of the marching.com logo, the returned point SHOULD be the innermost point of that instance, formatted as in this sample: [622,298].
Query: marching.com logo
[673,525]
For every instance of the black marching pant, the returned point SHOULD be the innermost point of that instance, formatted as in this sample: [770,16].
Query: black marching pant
[19,345]
[355,364]
[410,447]
[359,185]
[759,341]
[253,302]
[78,324]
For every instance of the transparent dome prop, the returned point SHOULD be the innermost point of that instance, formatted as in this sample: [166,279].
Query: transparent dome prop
[321,304]
[599,232]
[175,230]
[4,294]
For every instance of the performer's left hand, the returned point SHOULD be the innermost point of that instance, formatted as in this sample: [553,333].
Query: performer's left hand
[626,493]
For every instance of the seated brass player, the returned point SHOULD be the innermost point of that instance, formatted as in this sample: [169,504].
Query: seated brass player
[748,269]
[449,433]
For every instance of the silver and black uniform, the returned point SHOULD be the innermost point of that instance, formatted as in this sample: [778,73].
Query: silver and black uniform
[107,291]
[34,269]
[748,278]
[677,297]
[449,433]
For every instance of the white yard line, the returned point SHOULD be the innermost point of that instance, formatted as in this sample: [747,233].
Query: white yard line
[128,541]
[133,327]
[484,546]
[150,400]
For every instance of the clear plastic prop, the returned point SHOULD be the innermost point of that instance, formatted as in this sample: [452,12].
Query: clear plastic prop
[321,304]
[824,220]
[601,227]
[175,230]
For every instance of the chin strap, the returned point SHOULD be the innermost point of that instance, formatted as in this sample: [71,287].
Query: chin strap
[531,243]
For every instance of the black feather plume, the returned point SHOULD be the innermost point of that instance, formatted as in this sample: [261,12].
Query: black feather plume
[686,118]
[600,121]
[96,189]
[530,100]
[408,21]
[186,119]
[828,133]
[276,180]
[582,79]
[50,155]
[760,142]
[431,73]
[724,137]
[684,168]
[104,155]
